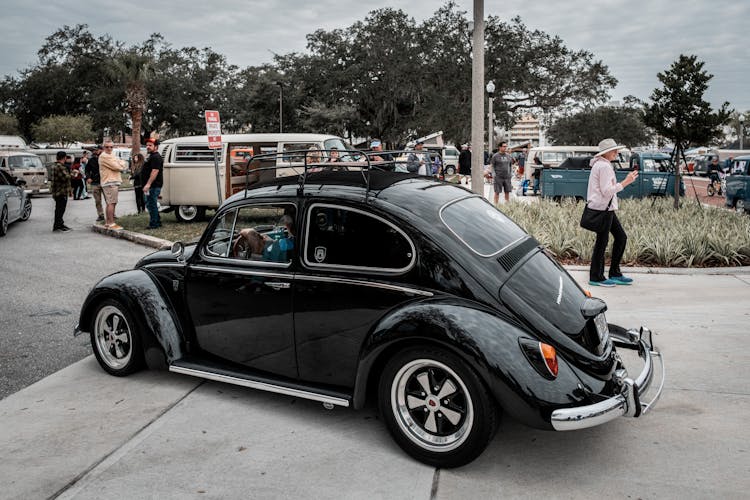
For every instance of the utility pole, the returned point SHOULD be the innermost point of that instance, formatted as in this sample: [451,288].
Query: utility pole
[477,100]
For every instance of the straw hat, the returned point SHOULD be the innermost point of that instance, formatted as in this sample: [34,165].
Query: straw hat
[608,145]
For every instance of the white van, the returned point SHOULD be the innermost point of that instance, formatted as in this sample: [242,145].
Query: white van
[26,166]
[189,175]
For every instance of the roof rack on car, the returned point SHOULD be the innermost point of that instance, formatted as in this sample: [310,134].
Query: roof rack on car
[320,165]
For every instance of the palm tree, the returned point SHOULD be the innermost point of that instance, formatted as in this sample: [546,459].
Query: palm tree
[132,69]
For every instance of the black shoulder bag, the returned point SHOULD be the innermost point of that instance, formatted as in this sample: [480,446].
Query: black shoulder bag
[597,220]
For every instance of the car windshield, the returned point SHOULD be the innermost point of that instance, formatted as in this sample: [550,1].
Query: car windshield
[480,226]
[25,162]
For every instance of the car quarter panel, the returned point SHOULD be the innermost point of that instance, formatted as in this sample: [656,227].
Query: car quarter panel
[487,341]
[140,292]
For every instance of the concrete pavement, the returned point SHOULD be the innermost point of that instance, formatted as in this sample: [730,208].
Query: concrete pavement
[81,433]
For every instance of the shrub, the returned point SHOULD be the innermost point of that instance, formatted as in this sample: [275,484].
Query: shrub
[658,235]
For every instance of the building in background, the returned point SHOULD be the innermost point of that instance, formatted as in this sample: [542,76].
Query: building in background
[528,129]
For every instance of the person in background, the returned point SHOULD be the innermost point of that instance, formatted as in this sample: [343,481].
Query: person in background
[464,164]
[153,180]
[93,181]
[84,163]
[602,195]
[501,165]
[418,161]
[537,174]
[713,172]
[377,148]
[110,172]
[60,190]
[76,179]
[521,163]
[136,165]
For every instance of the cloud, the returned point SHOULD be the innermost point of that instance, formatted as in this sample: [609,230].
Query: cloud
[636,39]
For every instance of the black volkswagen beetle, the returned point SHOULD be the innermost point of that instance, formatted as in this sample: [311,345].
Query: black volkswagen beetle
[337,286]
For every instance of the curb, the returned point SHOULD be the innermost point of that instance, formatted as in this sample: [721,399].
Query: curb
[160,244]
[141,239]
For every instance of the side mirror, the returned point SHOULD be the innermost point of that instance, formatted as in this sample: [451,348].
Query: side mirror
[178,249]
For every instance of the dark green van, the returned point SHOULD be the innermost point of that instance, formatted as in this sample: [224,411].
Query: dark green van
[738,184]
[571,178]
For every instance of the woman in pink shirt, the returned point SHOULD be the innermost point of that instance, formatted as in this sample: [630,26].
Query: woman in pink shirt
[602,195]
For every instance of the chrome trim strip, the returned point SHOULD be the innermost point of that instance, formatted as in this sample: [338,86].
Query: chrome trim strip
[164,264]
[263,386]
[372,284]
[582,417]
[244,272]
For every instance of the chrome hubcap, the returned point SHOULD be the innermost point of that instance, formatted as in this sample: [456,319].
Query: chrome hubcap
[113,337]
[188,211]
[432,405]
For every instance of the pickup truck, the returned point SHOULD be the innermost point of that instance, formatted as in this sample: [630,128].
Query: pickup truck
[571,178]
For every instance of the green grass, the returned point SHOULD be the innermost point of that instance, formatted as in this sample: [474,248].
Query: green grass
[658,235]
[170,229]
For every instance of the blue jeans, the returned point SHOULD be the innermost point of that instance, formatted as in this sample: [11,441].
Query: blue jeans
[153,210]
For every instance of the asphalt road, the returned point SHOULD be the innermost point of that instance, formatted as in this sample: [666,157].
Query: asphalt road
[45,277]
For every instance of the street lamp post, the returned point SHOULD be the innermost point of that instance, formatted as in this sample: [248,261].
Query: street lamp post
[281,107]
[742,130]
[490,124]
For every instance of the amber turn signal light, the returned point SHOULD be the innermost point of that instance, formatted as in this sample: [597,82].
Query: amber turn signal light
[587,293]
[550,357]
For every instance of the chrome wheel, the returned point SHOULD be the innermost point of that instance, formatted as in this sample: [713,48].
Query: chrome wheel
[189,213]
[432,405]
[26,210]
[113,338]
[739,205]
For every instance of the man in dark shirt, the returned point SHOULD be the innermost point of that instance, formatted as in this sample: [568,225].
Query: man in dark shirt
[60,190]
[152,177]
[501,163]
[93,181]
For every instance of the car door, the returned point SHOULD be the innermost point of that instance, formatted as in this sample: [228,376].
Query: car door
[354,266]
[12,196]
[239,295]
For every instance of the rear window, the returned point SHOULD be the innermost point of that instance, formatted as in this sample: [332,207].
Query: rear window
[480,226]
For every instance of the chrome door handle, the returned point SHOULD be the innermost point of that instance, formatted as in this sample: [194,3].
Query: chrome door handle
[276,285]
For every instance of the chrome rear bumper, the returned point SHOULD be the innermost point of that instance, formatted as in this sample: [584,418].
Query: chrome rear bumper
[628,401]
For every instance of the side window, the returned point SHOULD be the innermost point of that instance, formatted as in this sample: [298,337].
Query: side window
[255,233]
[4,179]
[294,152]
[220,243]
[351,239]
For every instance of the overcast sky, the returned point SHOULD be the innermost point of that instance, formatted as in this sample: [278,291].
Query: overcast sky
[635,38]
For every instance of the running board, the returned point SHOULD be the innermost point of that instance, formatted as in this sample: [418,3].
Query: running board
[245,381]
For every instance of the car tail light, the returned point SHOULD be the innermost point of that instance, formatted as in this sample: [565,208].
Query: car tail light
[543,357]
[550,358]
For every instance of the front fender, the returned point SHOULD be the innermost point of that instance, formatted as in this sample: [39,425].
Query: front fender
[488,341]
[141,294]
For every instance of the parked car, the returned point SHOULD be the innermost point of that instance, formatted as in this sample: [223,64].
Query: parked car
[337,286]
[15,203]
[738,184]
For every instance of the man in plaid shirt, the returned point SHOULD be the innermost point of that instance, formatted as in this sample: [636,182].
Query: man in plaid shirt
[60,190]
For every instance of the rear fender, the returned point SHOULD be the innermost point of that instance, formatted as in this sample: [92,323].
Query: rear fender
[140,293]
[487,341]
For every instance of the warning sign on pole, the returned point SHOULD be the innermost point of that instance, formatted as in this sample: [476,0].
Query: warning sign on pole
[213,129]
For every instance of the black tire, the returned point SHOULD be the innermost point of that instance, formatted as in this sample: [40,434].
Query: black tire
[436,407]
[450,170]
[740,205]
[190,213]
[4,221]
[115,339]
[26,210]
[710,189]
